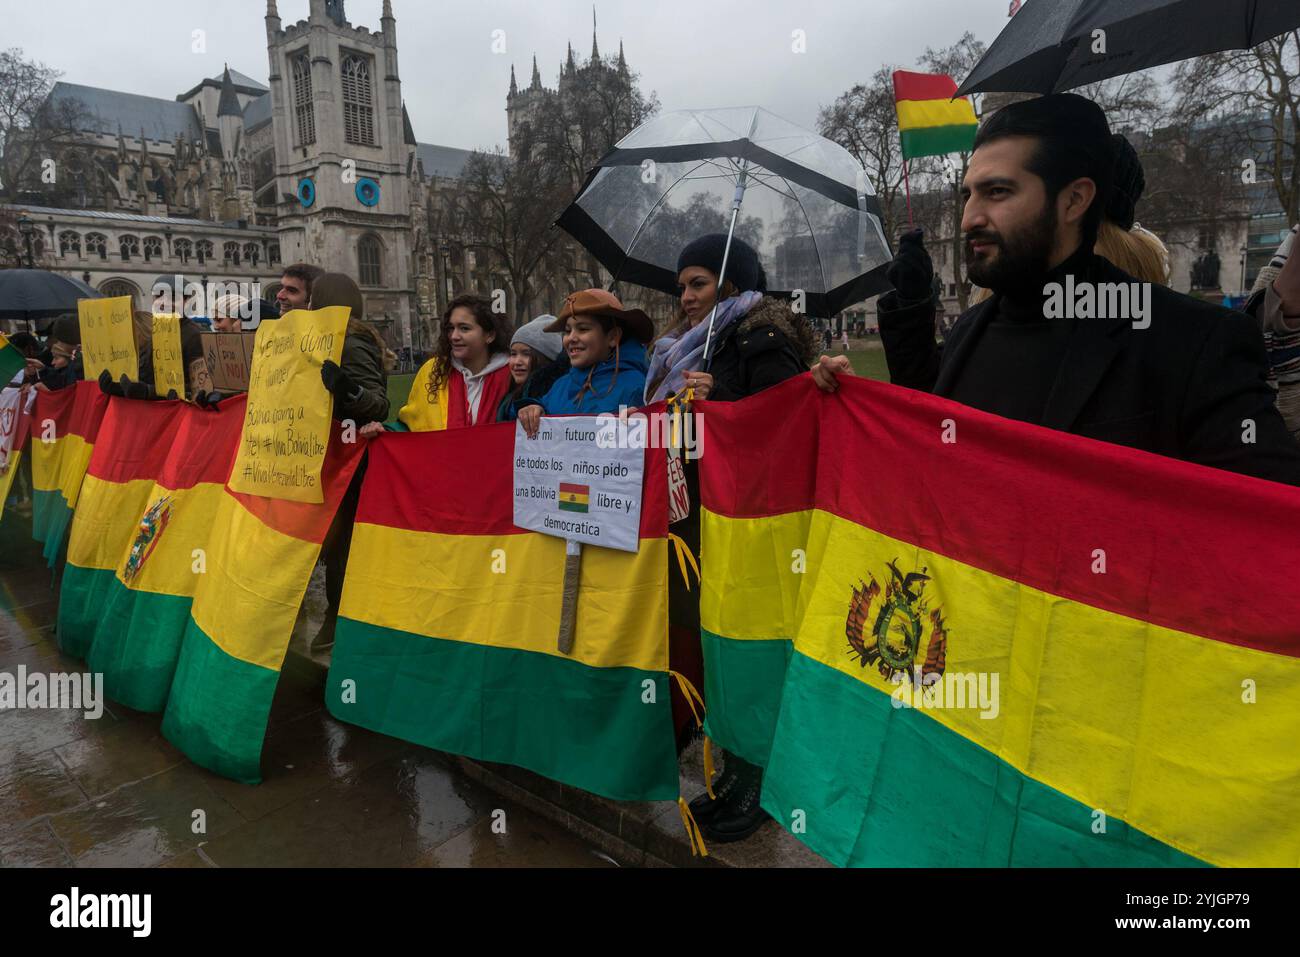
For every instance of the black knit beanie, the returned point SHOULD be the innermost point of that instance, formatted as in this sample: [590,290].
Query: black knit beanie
[744,271]
[1128,184]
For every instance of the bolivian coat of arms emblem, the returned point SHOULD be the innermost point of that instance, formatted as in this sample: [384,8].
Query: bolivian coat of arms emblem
[888,627]
[152,525]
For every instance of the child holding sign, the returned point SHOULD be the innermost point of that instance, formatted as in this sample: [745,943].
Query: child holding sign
[605,345]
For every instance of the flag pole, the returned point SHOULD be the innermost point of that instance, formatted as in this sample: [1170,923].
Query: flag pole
[908,188]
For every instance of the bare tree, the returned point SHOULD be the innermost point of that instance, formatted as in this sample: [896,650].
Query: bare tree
[505,208]
[32,127]
[864,121]
[1249,101]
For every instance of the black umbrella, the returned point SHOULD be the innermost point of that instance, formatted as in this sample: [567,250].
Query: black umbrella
[802,202]
[29,294]
[1054,45]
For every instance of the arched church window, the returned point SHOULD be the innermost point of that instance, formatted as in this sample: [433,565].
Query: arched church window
[273,253]
[368,254]
[69,244]
[97,243]
[358,110]
[302,105]
[129,246]
[184,249]
[153,248]
[118,287]
[252,255]
[203,249]
[230,254]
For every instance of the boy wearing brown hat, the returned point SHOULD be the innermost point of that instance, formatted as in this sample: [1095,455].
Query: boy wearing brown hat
[605,345]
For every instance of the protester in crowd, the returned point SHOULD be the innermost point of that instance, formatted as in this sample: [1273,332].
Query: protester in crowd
[531,348]
[1275,303]
[467,377]
[29,347]
[1179,380]
[192,359]
[228,313]
[758,341]
[296,286]
[63,366]
[360,390]
[606,349]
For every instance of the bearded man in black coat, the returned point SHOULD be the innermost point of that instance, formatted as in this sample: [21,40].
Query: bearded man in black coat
[1067,340]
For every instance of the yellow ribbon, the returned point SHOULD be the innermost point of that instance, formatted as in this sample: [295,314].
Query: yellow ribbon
[684,556]
[692,829]
[708,768]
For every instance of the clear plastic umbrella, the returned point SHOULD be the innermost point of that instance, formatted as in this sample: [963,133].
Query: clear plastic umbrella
[802,202]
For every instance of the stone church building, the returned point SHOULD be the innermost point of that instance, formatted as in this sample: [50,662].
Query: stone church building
[235,178]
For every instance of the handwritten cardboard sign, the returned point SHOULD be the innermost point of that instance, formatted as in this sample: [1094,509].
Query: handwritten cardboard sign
[287,420]
[168,365]
[229,358]
[108,338]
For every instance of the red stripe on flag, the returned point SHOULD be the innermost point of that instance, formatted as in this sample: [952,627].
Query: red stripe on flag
[577,489]
[923,86]
[1188,547]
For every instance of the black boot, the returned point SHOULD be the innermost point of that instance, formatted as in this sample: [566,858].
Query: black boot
[739,815]
[704,807]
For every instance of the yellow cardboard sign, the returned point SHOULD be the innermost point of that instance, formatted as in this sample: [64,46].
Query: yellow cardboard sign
[168,366]
[108,338]
[287,420]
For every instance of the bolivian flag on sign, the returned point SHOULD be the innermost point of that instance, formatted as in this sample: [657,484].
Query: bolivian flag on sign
[1018,648]
[930,121]
[574,498]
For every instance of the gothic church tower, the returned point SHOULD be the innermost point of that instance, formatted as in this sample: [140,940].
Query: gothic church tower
[342,156]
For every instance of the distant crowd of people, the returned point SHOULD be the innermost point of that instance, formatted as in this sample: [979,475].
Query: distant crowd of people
[1049,194]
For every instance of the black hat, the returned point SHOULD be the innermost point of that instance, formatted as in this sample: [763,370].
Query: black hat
[744,271]
[1128,184]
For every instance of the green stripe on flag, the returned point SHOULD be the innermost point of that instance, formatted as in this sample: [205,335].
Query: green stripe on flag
[920,794]
[51,516]
[11,361]
[591,728]
[742,691]
[218,708]
[938,140]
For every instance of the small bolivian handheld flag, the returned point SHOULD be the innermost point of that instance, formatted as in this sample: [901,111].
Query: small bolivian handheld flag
[930,121]
[574,498]
[11,360]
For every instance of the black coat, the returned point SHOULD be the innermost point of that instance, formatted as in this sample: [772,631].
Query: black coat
[1183,388]
[769,345]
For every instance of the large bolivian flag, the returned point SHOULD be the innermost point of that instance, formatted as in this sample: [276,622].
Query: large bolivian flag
[182,593]
[62,436]
[930,121]
[450,619]
[1006,645]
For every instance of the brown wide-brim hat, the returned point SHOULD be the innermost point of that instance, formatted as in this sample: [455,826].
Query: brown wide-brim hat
[597,302]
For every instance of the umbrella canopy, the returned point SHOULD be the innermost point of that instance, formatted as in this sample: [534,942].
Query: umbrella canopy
[39,294]
[1048,46]
[807,208]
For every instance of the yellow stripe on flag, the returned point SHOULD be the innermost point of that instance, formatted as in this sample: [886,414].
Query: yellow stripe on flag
[59,466]
[454,589]
[917,114]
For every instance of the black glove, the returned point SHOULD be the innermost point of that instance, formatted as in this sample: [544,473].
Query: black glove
[912,273]
[208,400]
[339,382]
[139,390]
[108,386]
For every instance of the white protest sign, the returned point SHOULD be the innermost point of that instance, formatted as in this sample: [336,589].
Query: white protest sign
[566,485]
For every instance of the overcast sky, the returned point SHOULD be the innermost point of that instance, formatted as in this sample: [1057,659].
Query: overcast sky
[692,53]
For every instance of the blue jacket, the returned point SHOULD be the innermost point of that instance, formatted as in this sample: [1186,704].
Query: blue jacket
[562,397]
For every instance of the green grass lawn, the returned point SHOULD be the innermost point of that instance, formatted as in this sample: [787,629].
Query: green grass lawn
[868,363]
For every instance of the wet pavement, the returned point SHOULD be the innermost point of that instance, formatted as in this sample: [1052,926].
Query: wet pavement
[114,792]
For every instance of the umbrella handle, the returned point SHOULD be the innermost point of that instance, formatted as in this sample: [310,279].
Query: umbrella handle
[736,201]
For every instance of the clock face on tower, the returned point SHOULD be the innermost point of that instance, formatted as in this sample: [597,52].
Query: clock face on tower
[367,192]
[306,192]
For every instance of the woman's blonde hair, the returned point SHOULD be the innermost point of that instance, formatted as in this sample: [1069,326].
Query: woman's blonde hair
[230,306]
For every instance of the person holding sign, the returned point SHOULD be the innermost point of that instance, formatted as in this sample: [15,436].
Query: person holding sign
[466,379]
[606,348]
[63,364]
[758,341]
[360,390]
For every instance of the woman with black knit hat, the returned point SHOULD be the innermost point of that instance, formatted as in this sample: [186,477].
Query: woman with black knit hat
[758,341]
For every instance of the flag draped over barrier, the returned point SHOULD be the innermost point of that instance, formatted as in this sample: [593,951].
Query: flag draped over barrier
[450,617]
[182,593]
[953,639]
[62,436]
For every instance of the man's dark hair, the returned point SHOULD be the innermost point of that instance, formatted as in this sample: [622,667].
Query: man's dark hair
[28,346]
[1073,142]
[66,329]
[304,273]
